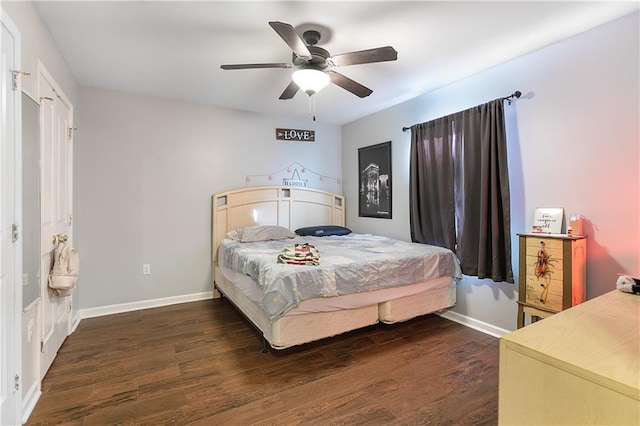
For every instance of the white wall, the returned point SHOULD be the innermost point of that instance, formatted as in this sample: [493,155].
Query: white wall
[147,168]
[573,143]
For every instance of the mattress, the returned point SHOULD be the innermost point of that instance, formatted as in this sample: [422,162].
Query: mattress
[248,287]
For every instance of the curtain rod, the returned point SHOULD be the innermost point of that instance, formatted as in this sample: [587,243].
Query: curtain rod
[515,94]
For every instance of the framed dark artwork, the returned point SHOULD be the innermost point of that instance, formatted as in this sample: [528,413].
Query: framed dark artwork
[374,166]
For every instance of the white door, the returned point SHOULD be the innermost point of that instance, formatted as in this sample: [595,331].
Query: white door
[56,150]
[11,265]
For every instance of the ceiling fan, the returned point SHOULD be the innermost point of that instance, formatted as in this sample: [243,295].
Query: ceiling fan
[315,65]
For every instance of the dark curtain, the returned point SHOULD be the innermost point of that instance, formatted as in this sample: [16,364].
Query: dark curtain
[431,183]
[459,189]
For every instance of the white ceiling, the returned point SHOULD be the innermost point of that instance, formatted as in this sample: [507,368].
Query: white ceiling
[175,49]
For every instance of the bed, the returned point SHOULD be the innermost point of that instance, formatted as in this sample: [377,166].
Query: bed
[333,310]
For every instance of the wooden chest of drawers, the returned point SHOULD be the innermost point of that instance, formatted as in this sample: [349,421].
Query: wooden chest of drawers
[552,274]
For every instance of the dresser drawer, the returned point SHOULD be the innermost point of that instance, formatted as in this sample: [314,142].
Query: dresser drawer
[545,293]
[552,245]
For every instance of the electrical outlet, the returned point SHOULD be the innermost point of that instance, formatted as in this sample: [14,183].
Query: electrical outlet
[146,269]
[25,279]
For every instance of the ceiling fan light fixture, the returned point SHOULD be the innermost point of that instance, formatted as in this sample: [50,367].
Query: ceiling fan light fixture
[310,80]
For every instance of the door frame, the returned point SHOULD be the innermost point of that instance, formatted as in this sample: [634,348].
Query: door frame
[14,356]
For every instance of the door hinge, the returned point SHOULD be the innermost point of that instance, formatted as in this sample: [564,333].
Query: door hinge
[14,232]
[42,346]
[69,219]
[16,78]
[70,132]
[16,383]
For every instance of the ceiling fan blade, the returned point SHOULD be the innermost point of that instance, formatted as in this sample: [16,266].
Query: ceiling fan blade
[291,37]
[252,66]
[290,91]
[347,84]
[380,54]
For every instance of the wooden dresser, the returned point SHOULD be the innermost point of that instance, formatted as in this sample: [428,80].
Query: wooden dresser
[552,274]
[580,366]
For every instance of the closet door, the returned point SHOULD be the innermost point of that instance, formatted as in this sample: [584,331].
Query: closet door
[56,145]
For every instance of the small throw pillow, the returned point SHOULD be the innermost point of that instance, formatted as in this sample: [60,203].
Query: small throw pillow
[322,231]
[261,233]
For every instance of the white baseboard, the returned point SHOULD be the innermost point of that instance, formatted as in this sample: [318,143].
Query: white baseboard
[474,323]
[136,306]
[75,321]
[29,401]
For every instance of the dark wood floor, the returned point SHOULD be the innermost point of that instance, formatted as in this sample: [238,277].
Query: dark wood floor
[201,363]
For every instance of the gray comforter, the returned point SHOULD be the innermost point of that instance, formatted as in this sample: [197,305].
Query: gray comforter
[348,264]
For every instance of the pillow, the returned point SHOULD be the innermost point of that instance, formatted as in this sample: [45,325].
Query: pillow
[323,231]
[260,233]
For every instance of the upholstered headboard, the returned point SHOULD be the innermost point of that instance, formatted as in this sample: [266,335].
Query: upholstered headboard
[285,206]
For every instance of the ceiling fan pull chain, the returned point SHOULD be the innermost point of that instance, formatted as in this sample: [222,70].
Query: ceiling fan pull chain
[312,106]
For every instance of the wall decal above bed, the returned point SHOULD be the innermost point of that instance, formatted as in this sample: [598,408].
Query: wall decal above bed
[298,176]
